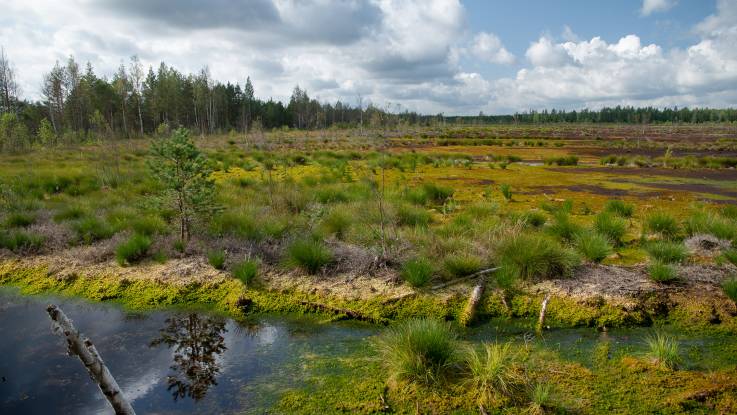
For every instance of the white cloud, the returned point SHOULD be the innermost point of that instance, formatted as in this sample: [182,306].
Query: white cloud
[488,47]
[411,52]
[546,53]
[654,6]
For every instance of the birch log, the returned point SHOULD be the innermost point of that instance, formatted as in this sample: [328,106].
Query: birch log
[473,301]
[543,309]
[87,353]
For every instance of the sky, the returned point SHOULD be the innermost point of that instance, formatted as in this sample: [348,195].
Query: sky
[430,56]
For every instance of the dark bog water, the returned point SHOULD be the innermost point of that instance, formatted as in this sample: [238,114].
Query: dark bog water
[165,362]
[185,362]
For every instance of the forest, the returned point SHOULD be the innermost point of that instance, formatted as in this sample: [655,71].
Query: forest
[78,105]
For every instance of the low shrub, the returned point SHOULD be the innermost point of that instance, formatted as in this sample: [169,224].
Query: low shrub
[417,272]
[663,224]
[611,226]
[421,351]
[667,252]
[662,272]
[494,371]
[216,258]
[619,208]
[533,256]
[664,349]
[593,246]
[245,271]
[133,250]
[309,255]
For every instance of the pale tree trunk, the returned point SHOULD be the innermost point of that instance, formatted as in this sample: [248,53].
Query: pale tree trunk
[87,353]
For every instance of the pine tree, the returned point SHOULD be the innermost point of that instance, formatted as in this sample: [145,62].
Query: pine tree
[184,172]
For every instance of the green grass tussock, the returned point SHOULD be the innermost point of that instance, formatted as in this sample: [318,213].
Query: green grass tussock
[309,255]
[663,224]
[216,258]
[417,272]
[664,349]
[245,271]
[91,229]
[132,250]
[494,371]
[422,351]
[667,252]
[662,272]
[611,226]
[619,208]
[534,256]
[593,246]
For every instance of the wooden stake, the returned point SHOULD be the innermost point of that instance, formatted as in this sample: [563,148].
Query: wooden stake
[470,311]
[541,319]
[87,353]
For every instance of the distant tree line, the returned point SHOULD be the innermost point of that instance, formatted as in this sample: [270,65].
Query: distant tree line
[79,105]
[618,114]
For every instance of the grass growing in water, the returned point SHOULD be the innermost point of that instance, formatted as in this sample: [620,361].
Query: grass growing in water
[664,349]
[309,255]
[593,246]
[133,250]
[417,272]
[493,371]
[421,351]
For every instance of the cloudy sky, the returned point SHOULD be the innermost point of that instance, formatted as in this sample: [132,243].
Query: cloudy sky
[456,57]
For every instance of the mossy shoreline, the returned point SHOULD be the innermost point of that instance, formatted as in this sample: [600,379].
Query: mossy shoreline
[232,298]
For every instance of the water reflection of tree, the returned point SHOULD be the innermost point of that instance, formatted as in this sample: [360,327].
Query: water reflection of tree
[197,341]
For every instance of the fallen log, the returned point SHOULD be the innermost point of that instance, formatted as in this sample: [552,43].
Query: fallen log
[541,318]
[87,353]
[439,286]
[467,277]
[473,301]
[337,310]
